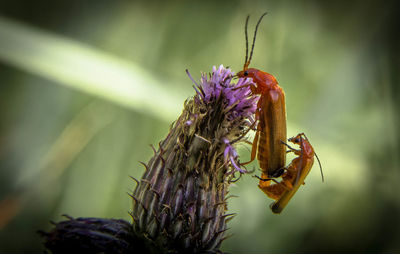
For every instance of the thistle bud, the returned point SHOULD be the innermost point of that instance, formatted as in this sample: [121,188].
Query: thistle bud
[180,202]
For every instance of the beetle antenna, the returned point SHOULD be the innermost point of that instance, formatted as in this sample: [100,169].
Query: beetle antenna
[316,156]
[254,37]
[320,167]
[247,41]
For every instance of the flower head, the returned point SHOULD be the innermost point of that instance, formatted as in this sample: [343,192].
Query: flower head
[179,204]
[237,96]
[237,99]
[180,201]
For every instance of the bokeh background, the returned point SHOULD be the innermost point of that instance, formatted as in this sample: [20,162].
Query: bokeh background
[86,86]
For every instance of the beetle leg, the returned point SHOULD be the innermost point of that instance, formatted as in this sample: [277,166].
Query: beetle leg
[266,179]
[253,150]
[291,149]
[244,134]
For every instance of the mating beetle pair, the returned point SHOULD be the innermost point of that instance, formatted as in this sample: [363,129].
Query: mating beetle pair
[269,143]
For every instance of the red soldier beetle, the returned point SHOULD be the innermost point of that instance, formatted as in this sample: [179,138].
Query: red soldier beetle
[294,175]
[270,114]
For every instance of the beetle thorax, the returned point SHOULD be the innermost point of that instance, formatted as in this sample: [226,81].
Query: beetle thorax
[264,80]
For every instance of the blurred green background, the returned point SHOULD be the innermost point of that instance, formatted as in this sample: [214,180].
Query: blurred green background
[86,86]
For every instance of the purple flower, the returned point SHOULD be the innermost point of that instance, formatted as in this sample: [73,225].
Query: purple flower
[238,100]
[231,155]
[236,95]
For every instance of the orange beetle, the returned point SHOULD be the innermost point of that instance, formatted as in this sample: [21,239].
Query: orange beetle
[293,176]
[270,114]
